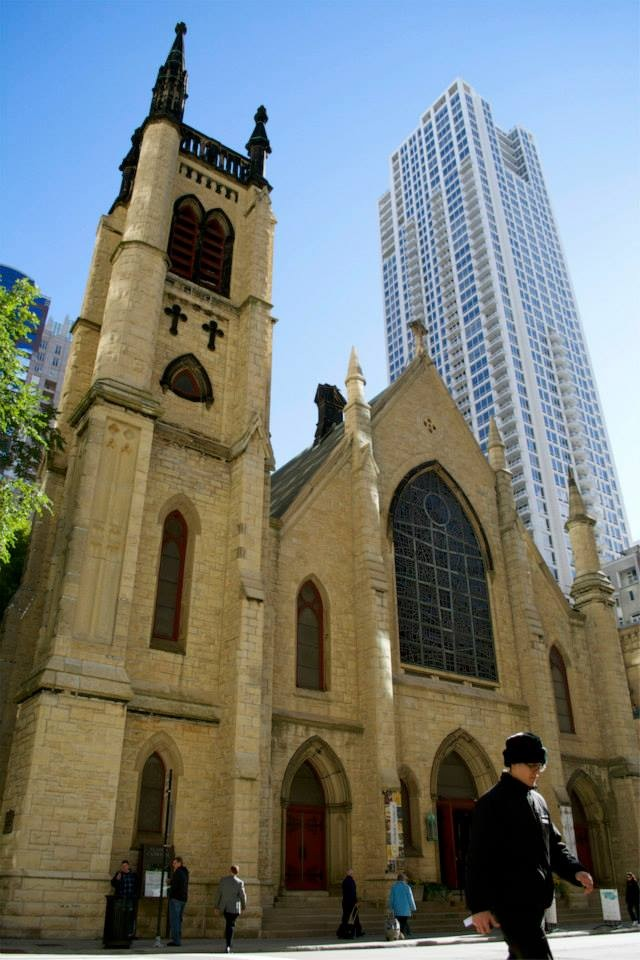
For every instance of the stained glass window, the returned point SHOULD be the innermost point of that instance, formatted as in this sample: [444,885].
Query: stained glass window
[444,618]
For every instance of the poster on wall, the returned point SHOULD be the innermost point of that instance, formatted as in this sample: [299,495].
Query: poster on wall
[393,830]
[152,883]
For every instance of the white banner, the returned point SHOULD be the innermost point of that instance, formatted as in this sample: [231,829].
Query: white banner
[610,904]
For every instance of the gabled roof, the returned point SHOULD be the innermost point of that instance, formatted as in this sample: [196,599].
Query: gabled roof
[287,482]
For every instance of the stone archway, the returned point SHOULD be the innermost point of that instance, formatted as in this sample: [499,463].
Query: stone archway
[590,827]
[461,772]
[315,761]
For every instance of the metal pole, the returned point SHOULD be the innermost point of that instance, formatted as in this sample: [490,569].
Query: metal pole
[158,941]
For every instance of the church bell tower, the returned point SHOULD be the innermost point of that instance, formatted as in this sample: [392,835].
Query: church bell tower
[137,633]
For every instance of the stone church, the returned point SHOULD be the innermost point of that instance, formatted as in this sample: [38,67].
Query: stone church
[296,671]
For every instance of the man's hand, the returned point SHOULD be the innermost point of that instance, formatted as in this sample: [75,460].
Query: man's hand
[485,920]
[585,879]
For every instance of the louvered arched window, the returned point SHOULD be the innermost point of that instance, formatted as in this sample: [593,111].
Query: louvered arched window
[166,622]
[201,245]
[309,646]
[183,242]
[561,691]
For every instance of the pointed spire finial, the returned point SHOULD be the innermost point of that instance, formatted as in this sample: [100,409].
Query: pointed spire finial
[258,145]
[419,332]
[577,508]
[495,447]
[170,91]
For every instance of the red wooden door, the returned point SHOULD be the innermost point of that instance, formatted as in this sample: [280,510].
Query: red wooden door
[454,820]
[305,848]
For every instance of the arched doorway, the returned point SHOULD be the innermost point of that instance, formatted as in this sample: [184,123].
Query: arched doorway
[456,798]
[316,824]
[305,856]
[581,830]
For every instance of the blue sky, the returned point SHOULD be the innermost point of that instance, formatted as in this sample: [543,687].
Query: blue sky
[344,83]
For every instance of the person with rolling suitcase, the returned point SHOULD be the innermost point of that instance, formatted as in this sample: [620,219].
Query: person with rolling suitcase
[350,926]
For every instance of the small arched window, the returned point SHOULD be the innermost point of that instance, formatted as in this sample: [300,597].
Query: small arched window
[151,804]
[561,691]
[309,648]
[201,245]
[407,833]
[166,621]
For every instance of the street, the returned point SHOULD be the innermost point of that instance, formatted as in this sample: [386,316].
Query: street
[622,945]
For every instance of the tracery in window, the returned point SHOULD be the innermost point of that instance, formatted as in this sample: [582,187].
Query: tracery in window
[186,377]
[309,638]
[561,691]
[201,245]
[444,619]
[166,621]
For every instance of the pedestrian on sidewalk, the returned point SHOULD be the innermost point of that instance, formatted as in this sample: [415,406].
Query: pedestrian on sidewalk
[232,900]
[632,896]
[514,849]
[125,889]
[178,896]
[402,904]
[349,908]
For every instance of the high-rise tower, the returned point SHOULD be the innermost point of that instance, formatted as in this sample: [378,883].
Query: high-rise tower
[470,247]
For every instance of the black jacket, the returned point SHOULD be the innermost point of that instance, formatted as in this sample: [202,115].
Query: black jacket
[179,886]
[513,850]
[349,896]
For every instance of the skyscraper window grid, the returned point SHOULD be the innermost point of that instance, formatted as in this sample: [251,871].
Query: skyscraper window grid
[469,244]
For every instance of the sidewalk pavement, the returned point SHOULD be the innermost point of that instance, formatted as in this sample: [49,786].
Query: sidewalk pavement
[246,945]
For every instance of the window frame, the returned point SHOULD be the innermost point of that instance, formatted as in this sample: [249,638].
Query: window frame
[557,664]
[302,605]
[176,642]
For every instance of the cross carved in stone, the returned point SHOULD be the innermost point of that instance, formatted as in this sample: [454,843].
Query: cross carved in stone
[176,315]
[214,331]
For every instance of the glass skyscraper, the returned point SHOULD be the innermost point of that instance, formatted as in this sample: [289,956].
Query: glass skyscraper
[470,247]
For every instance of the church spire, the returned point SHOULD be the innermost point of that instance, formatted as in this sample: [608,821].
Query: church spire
[580,527]
[495,447]
[258,145]
[170,91]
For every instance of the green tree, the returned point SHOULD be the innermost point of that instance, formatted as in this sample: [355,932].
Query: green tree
[27,427]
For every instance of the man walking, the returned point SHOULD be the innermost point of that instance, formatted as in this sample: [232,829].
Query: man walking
[513,850]
[178,895]
[232,900]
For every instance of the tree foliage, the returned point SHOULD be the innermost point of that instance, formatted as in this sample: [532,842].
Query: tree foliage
[27,427]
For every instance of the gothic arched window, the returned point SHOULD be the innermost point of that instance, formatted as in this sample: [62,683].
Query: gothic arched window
[561,691]
[151,803]
[444,620]
[166,621]
[201,245]
[309,638]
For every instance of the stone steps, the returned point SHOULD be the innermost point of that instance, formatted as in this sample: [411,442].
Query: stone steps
[295,916]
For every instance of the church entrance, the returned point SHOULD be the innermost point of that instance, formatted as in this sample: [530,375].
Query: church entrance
[305,841]
[581,829]
[456,800]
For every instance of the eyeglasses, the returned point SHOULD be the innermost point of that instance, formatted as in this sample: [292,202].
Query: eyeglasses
[538,767]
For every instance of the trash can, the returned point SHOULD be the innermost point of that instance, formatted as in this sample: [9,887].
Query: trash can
[117,922]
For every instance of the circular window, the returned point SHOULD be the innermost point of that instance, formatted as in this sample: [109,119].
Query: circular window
[436,509]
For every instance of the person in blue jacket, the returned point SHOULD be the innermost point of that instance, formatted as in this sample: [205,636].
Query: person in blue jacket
[514,850]
[402,904]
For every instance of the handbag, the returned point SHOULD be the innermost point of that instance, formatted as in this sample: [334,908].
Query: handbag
[347,931]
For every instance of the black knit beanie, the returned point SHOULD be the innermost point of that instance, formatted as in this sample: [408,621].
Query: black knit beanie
[524,748]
